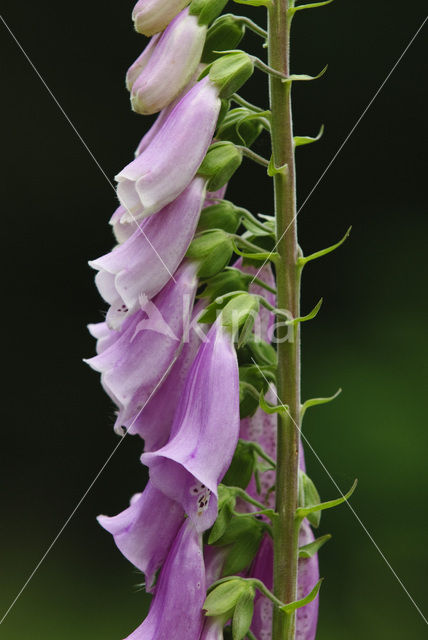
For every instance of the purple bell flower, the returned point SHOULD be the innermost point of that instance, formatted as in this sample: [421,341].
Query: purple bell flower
[154,423]
[171,160]
[153,16]
[156,82]
[145,531]
[141,62]
[176,609]
[144,263]
[139,359]
[204,433]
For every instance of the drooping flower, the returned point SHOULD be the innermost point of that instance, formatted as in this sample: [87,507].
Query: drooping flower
[168,164]
[144,263]
[170,66]
[153,16]
[145,531]
[154,422]
[142,61]
[135,364]
[204,433]
[176,609]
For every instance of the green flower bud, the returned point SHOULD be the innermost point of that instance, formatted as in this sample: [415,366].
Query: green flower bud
[207,10]
[213,250]
[226,33]
[230,72]
[223,215]
[220,163]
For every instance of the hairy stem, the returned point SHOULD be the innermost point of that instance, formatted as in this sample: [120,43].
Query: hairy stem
[288,299]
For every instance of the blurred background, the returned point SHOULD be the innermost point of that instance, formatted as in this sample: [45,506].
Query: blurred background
[370,337]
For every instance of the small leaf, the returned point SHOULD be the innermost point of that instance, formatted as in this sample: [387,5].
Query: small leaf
[264,353]
[292,606]
[319,254]
[309,550]
[302,140]
[272,170]
[270,408]
[303,77]
[224,597]
[271,255]
[304,512]
[243,614]
[314,402]
[310,315]
[313,5]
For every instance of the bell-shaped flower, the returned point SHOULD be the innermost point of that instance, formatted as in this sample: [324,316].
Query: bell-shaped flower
[144,263]
[168,164]
[204,433]
[141,62]
[153,16]
[141,356]
[145,531]
[176,609]
[154,422]
[213,628]
[171,66]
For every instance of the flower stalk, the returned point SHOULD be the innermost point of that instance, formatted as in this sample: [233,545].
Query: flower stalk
[286,533]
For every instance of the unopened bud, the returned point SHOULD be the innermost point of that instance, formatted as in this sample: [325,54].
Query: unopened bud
[230,72]
[153,16]
[220,163]
[226,33]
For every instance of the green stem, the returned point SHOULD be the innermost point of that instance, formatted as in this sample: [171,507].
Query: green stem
[286,546]
[244,103]
[252,155]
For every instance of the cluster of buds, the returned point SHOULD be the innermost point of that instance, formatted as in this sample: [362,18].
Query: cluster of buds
[185,349]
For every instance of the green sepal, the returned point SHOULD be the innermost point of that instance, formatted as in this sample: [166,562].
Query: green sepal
[303,512]
[239,314]
[313,5]
[243,614]
[252,383]
[226,506]
[212,249]
[319,254]
[309,550]
[225,33]
[222,160]
[241,126]
[256,230]
[303,77]
[225,282]
[206,10]
[223,598]
[293,606]
[244,535]
[222,215]
[270,408]
[314,402]
[264,353]
[224,109]
[302,140]
[309,496]
[242,466]
[230,72]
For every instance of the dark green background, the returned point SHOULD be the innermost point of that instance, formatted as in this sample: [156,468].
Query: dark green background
[370,337]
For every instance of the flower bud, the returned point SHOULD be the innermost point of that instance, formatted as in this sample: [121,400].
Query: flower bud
[220,163]
[230,72]
[170,67]
[153,16]
[225,34]
[240,126]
